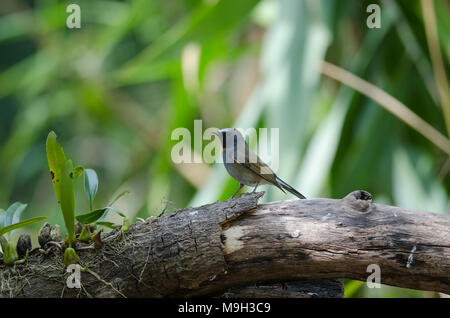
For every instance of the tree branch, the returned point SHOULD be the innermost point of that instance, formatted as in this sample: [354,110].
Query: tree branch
[236,243]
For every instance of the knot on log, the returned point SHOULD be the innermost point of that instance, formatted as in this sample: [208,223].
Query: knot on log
[358,200]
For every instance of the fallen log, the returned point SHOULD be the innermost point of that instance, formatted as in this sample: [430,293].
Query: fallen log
[216,248]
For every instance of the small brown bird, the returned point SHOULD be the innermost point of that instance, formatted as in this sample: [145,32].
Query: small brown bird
[245,166]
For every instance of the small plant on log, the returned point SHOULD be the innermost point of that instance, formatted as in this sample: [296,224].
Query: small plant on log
[63,173]
[97,216]
[9,222]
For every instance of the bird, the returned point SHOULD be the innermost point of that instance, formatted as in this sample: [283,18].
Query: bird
[245,166]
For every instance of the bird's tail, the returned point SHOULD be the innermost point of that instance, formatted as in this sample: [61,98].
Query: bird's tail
[287,187]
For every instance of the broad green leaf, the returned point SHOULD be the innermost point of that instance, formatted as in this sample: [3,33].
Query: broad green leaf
[56,162]
[14,226]
[90,185]
[92,216]
[68,199]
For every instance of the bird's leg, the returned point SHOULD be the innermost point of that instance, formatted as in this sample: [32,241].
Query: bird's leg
[255,187]
[240,187]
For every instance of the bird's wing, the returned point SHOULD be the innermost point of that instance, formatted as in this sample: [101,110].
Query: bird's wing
[253,163]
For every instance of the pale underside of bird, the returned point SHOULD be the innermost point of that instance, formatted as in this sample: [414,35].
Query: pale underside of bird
[245,166]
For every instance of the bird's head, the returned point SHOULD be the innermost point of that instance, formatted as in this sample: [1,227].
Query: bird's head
[229,136]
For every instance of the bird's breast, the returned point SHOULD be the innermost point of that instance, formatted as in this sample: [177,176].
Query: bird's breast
[237,171]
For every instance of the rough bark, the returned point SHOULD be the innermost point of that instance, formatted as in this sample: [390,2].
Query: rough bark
[236,243]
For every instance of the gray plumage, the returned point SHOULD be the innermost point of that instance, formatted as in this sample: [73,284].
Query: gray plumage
[245,166]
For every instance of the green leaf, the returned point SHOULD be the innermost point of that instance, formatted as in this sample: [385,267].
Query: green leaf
[14,226]
[205,23]
[112,202]
[92,216]
[18,211]
[13,213]
[110,225]
[117,211]
[414,183]
[119,196]
[56,162]
[68,199]
[90,185]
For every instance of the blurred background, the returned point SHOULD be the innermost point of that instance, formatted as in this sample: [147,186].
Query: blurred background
[115,89]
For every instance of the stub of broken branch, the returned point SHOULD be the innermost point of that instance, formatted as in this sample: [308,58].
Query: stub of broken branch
[222,247]
[360,201]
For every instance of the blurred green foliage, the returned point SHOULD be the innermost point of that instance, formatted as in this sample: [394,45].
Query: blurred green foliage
[115,89]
